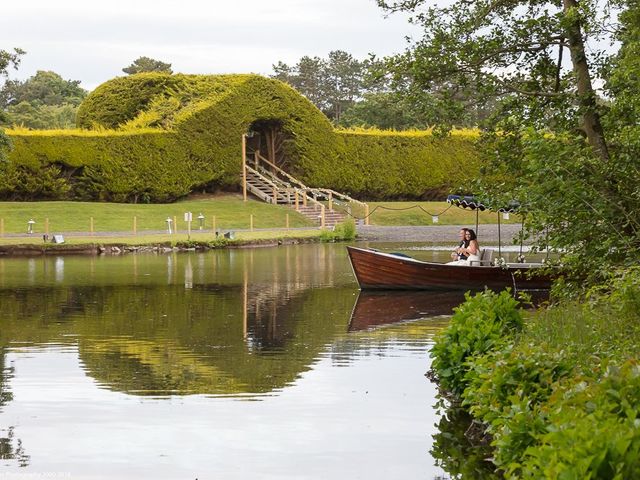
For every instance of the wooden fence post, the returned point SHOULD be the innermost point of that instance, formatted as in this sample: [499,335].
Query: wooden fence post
[244,167]
[135,225]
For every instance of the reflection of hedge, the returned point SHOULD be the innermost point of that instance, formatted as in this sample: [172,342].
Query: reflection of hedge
[162,339]
[172,134]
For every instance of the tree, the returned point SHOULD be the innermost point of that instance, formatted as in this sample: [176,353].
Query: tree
[146,64]
[512,49]
[44,88]
[7,59]
[550,142]
[42,117]
[385,110]
[365,93]
[43,101]
[332,84]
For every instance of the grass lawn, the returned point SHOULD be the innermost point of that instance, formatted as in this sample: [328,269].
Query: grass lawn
[229,210]
[230,213]
[420,213]
[166,238]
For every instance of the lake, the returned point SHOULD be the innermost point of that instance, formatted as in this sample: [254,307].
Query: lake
[261,363]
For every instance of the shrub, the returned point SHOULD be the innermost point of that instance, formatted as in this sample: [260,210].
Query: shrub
[344,231]
[506,389]
[593,431]
[484,322]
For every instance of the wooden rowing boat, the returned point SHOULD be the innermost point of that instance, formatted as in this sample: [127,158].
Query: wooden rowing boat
[388,271]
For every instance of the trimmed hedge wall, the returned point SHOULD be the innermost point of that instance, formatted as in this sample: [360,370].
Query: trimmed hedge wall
[384,165]
[158,137]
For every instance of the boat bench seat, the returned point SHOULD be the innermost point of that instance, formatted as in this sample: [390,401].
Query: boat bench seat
[486,258]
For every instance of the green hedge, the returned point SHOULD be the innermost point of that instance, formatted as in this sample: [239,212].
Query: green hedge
[391,165]
[157,137]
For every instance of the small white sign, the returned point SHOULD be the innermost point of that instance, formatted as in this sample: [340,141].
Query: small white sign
[188,216]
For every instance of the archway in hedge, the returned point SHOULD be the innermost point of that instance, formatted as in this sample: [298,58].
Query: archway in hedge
[267,137]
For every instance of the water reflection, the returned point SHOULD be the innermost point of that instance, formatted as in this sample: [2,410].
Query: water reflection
[11,447]
[377,308]
[459,452]
[137,350]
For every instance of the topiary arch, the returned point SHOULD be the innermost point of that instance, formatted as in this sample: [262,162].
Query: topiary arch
[157,137]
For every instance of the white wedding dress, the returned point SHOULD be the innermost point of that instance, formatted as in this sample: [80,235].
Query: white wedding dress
[475,258]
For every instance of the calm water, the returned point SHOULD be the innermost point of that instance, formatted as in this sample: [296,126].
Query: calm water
[257,363]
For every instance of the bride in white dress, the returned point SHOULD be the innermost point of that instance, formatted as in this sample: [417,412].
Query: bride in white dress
[471,251]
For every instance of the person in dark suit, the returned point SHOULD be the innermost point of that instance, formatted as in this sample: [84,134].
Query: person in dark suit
[458,253]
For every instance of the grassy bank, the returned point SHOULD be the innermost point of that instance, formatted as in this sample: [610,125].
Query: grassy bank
[420,213]
[228,211]
[558,390]
[169,239]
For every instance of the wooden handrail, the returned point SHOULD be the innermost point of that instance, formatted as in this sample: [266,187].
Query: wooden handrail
[291,178]
[262,177]
[304,190]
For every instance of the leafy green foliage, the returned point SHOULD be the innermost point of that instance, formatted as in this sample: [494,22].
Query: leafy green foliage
[481,324]
[10,59]
[552,397]
[42,117]
[43,101]
[505,391]
[5,146]
[332,84]
[344,231]
[603,328]
[569,158]
[7,59]
[593,432]
[44,88]
[386,110]
[579,205]
[204,118]
[147,64]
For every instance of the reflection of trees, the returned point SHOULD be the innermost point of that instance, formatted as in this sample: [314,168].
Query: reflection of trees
[457,453]
[10,447]
[5,374]
[163,339]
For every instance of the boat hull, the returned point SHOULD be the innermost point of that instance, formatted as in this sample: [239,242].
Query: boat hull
[383,271]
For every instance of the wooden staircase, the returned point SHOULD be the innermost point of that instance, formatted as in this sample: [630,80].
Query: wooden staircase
[324,207]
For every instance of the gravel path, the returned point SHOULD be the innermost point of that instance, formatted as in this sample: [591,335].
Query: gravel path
[438,234]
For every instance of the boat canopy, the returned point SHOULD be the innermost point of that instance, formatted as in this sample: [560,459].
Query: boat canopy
[472,203]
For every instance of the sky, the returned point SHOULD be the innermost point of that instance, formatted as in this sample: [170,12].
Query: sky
[92,41]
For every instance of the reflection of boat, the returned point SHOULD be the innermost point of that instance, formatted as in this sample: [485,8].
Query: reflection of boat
[387,271]
[375,308]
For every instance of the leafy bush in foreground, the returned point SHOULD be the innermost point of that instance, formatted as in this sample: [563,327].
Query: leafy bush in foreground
[506,390]
[593,433]
[481,324]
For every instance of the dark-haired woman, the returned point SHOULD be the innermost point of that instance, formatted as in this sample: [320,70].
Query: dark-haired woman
[471,249]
